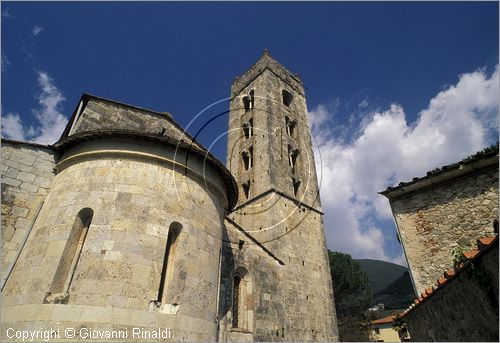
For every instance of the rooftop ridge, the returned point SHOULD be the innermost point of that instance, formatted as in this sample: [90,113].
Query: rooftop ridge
[486,153]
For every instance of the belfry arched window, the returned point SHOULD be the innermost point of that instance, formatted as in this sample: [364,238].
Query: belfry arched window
[247,157]
[290,126]
[248,128]
[287,98]
[252,98]
[293,155]
[249,100]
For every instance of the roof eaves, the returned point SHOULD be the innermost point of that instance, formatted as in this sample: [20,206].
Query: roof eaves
[484,244]
[17,142]
[77,138]
[385,320]
[430,178]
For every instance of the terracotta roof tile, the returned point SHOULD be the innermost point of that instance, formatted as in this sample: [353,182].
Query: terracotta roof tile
[471,253]
[441,281]
[385,320]
[483,244]
[450,273]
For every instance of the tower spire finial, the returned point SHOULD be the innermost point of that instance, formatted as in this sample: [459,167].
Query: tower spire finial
[266,52]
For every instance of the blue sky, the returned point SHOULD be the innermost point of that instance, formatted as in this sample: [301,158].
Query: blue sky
[393,89]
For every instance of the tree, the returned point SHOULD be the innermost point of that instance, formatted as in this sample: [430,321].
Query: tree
[351,287]
[353,295]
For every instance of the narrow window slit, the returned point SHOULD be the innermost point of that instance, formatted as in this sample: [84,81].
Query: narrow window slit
[296,185]
[167,267]
[246,189]
[59,289]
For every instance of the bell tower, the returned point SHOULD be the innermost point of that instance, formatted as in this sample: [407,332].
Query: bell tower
[276,229]
[269,144]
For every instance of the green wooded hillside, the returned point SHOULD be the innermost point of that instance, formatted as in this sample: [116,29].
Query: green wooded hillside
[391,283]
[381,273]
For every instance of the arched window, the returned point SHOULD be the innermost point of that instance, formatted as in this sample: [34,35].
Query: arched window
[248,101]
[293,155]
[174,231]
[236,300]
[248,128]
[247,157]
[58,292]
[242,307]
[290,126]
[287,98]
[252,98]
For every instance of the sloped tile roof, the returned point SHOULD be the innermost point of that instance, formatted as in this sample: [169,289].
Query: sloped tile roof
[385,320]
[483,244]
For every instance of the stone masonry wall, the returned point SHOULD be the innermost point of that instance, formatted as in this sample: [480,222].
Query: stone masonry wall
[134,199]
[27,172]
[435,220]
[292,299]
[292,296]
[465,309]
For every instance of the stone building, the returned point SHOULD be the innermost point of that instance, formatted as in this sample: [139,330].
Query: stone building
[455,206]
[382,330]
[449,207]
[128,222]
[462,304]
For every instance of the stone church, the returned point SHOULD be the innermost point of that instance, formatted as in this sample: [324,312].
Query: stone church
[128,222]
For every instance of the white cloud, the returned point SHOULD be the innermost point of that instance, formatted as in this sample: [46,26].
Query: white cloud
[458,121]
[12,127]
[36,30]
[49,117]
